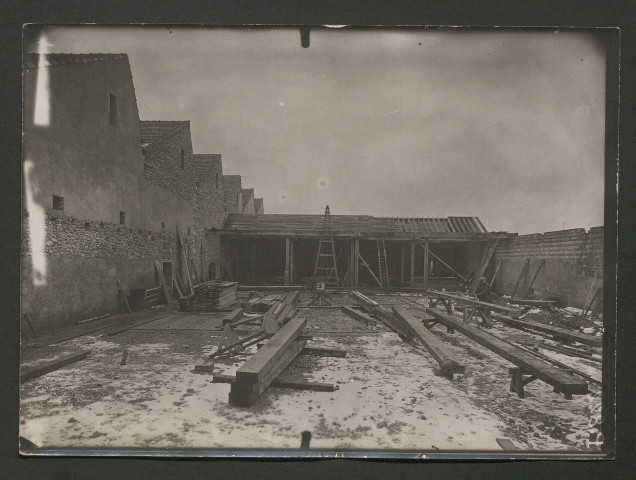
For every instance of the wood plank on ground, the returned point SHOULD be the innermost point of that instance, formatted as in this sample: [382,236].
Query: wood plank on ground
[557,332]
[358,315]
[561,381]
[448,363]
[297,385]
[27,373]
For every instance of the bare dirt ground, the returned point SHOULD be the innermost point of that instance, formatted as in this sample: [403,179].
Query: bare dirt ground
[388,396]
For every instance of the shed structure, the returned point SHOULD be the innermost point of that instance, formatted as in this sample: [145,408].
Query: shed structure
[421,253]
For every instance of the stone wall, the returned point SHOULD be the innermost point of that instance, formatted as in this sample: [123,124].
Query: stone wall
[573,263]
[83,260]
[162,163]
[233,194]
[209,213]
[79,155]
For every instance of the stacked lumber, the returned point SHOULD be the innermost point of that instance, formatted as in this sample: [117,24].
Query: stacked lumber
[213,295]
[255,375]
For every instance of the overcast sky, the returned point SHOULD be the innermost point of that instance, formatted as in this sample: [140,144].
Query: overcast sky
[508,126]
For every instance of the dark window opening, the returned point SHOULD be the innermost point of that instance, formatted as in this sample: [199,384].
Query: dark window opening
[87,225]
[163,225]
[188,230]
[58,203]
[182,158]
[122,218]
[113,110]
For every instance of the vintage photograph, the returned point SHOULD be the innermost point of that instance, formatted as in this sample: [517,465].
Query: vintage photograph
[312,240]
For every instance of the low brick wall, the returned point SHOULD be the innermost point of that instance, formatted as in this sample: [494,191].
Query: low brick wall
[573,258]
[83,259]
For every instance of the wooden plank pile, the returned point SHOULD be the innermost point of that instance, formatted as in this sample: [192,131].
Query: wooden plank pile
[213,295]
[526,364]
[255,375]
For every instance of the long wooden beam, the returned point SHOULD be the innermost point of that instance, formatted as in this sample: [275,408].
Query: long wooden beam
[552,330]
[357,315]
[27,373]
[533,303]
[562,382]
[369,268]
[513,312]
[273,288]
[449,363]
[255,375]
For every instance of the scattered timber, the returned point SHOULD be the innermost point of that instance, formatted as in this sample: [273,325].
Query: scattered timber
[240,342]
[556,332]
[315,386]
[27,373]
[255,375]
[526,362]
[449,364]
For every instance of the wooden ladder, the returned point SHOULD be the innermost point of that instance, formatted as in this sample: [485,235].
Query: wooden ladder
[492,245]
[382,263]
[326,269]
